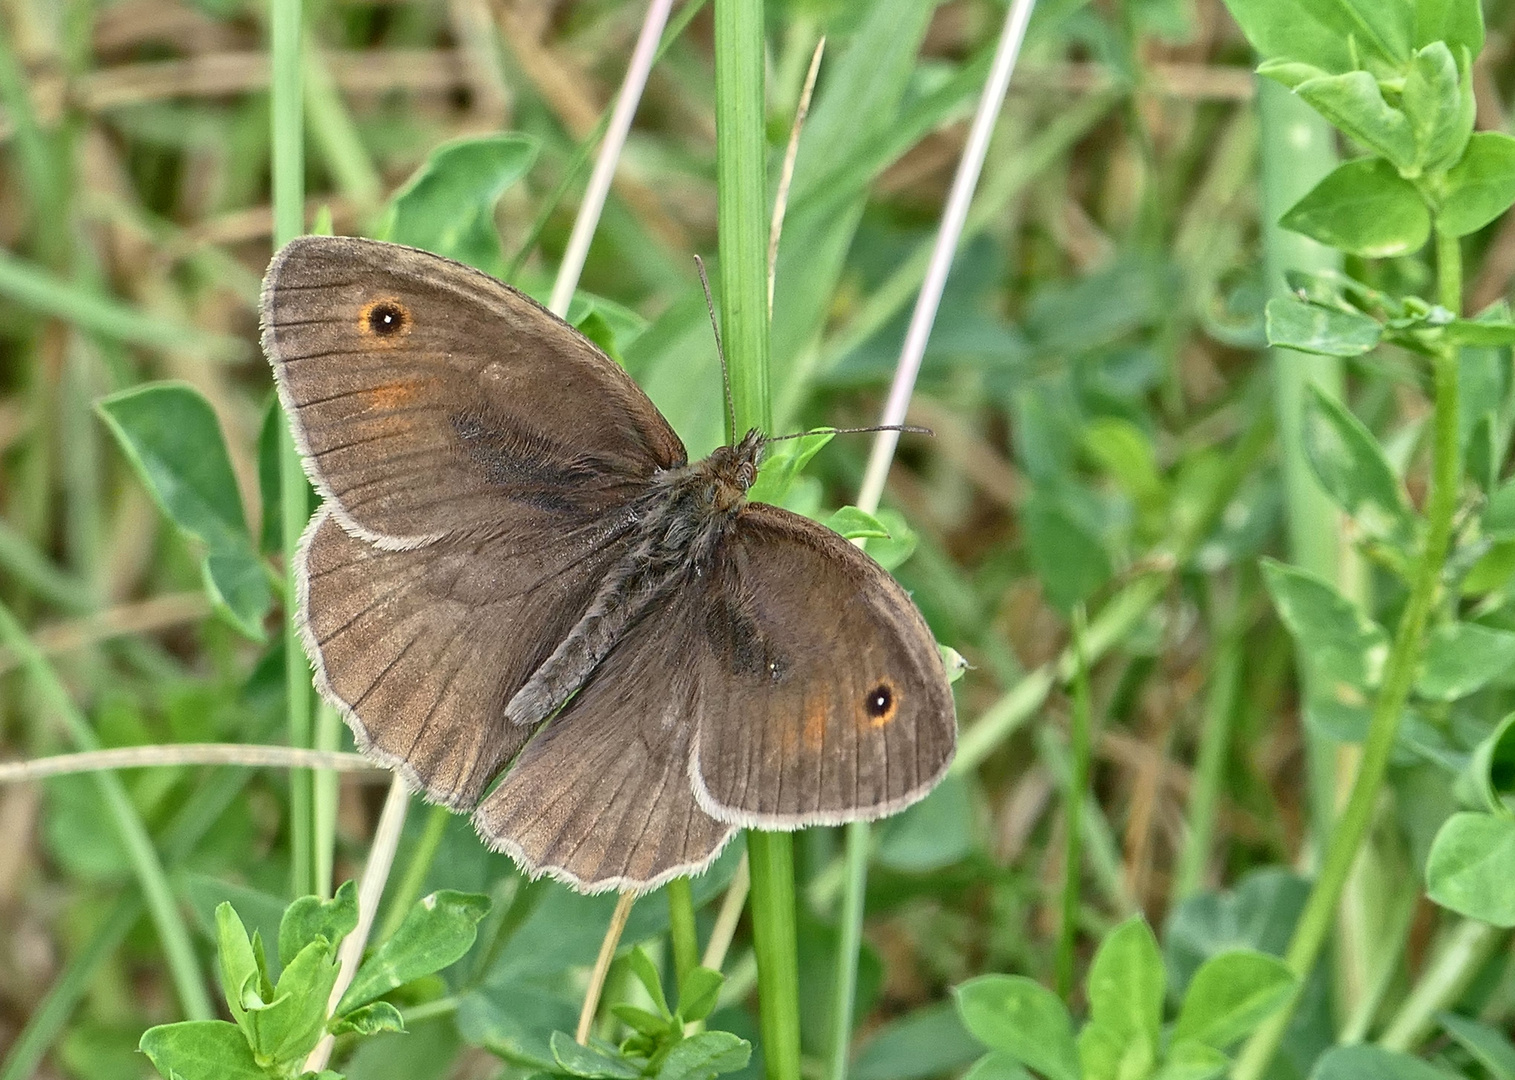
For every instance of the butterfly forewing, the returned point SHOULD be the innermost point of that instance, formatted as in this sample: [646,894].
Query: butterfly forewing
[431,400]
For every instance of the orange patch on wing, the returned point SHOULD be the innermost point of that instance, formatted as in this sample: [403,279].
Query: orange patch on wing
[391,396]
[814,733]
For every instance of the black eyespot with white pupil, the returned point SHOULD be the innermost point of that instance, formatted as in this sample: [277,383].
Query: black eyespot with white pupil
[386,318]
[879,702]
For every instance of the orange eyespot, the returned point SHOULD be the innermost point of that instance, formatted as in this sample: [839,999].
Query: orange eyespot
[880,704]
[385,317]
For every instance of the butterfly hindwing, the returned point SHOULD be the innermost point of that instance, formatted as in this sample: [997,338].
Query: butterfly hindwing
[824,697]
[421,649]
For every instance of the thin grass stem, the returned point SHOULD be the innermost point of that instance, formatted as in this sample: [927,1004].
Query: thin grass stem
[287,97]
[381,857]
[602,966]
[584,224]
[173,933]
[1080,739]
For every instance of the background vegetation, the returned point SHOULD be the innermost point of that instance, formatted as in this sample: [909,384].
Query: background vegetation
[1116,456]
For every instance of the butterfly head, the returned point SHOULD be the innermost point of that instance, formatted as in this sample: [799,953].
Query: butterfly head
[734,469]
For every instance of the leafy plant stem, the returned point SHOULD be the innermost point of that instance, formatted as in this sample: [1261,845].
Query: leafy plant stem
[1456,962]
[287,116]
[1079,738]
[408,890]
[172,930]
[1449,272]
[1351,827]
[681,929]
[850,939]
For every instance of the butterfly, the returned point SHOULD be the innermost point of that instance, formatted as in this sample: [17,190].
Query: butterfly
[522,596]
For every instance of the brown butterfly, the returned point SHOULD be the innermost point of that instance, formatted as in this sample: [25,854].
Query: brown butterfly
[517,571]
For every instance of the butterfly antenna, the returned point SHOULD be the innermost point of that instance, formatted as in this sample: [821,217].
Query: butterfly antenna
[699,265]
[913,429]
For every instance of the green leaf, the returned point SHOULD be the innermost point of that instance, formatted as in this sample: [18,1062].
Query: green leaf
[1192,1061]
[1457,22]
[1353,470]
[436,932]
[1022,1018]
[856,524]
[1373,1063]
[1125,451]
[900,544]
[1230,995]
[237,586]
[243,983]
[1492,1049]
[1438,102]
[1102,1054]
[1066,554]
[370,1019]
[705,1055]
[997,1065]
[782,463]
[170,434]
[1341,643]
[642,1021]
[447,206]
[1332,34]
[1480,187]
[1289,72]
[647,974]
[310,917]
[699,990]
[1354,103]
[1125,989]
[934,833]
[1461,657]
[588,1062]
[926,1042]
[287,1029]
[1499,513]
[1314,329]
[1365,208]
[200,1050]
[1493,767]
[1471,868]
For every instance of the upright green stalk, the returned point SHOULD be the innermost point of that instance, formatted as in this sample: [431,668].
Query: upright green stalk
[287,112]
[1079,738]
[741,172]
[1298,148]
[681,929]
[1399,675]
[850,940]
